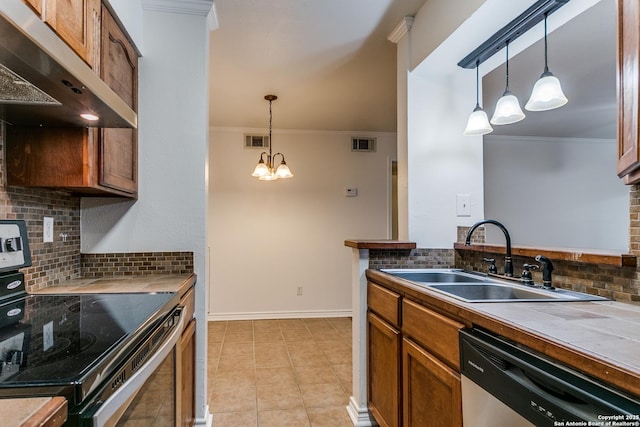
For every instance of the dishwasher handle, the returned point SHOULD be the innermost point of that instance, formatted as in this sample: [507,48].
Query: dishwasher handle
[540,389]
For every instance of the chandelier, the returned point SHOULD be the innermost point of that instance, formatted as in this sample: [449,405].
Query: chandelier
[267,171]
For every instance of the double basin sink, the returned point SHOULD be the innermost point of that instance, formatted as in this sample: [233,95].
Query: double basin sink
[475,287]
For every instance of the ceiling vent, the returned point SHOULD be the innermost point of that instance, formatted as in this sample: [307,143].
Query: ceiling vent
[360,143]
[256,141]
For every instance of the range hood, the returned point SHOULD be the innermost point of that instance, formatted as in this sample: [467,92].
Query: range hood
[44,83]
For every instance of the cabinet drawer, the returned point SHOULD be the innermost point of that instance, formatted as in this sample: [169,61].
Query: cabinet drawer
[435,332]
[384,303]
[188,300]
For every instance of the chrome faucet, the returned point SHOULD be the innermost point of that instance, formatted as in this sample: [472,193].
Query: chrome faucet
[508,265]
[547,268]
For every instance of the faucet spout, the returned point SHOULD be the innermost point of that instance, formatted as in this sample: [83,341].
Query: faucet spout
[508,264]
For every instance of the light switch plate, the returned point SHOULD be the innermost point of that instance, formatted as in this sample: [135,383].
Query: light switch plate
[47,229]
[463,205]
[351,192]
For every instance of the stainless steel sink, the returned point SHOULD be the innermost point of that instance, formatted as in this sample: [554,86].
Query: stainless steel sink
[475,287]
[437,276]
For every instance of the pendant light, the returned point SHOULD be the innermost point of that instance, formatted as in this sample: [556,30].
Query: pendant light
[507,108]
[478,123]
[267,171]
[547,93]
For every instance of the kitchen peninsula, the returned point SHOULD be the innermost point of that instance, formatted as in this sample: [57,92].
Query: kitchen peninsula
[599,339]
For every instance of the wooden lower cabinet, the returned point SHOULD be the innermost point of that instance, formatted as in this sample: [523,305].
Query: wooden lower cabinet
[432,393]
[185,377]
[413,362]
[383,371]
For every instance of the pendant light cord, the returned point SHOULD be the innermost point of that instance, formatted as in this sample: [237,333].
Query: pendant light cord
[546,67]
[270,121]
[507,48]
[478,83]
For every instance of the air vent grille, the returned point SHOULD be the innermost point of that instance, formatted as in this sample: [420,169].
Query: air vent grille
[256,141]
[361,143]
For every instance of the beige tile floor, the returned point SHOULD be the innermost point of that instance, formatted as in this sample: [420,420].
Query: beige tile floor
[288,372]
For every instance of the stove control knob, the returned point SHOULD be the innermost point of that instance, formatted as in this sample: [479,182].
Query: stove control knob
[12,244]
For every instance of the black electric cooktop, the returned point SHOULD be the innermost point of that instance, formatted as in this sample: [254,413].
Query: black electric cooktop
[68,344]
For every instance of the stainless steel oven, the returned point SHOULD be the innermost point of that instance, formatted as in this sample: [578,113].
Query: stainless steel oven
[142,391]
[112,356]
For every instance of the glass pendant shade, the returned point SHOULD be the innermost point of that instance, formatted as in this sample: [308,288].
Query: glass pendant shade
[283,171]
[260,170]
[507,110]
[478,123]
[268,177]
[546,94]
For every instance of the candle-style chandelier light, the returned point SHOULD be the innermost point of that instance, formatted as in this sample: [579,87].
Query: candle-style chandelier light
[267,171]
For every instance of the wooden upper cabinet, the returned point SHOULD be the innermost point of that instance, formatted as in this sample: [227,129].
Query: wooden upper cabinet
[35,5]
[627,87]
[77,22]
[85,161]
[119,69]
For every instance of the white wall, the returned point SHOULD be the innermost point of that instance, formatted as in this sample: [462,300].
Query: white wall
[442,162]
[440,96]
[170,214]
[556,192]
[268,238]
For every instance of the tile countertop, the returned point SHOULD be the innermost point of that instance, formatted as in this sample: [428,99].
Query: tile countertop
[122,284]
[33,412]
[600,338]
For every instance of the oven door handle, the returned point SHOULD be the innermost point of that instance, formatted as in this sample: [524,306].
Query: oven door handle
[117,402]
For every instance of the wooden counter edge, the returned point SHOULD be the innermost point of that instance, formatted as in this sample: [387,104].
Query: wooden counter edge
[379,244]
[51,414]
[590,364]
[585,256]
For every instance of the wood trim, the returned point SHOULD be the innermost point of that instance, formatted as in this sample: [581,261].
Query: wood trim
[628,51]
[585,256]
[380,244]
[51,414]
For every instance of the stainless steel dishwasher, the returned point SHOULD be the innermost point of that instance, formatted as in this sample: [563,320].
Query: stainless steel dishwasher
[506,384]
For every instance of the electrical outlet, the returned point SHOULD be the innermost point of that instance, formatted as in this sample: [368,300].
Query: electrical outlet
[47,229]
[299,290]
[463,205]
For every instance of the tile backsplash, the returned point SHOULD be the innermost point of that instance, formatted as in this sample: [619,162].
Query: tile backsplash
[61,259]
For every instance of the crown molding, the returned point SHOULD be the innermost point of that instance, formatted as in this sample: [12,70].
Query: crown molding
[403,28]
[188,7]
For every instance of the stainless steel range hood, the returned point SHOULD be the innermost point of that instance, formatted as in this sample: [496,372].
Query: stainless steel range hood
[47,84]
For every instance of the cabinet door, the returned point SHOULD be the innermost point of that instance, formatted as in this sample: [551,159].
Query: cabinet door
[384,371]
[119,147]
[628,94]
[185,373]
[432,392]
[77,22]
[35,5]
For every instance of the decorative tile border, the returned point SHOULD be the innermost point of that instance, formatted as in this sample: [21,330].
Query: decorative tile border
[129,264]
[411,258]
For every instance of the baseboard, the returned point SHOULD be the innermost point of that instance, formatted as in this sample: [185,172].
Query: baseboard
[360,417]
[207,421]
[278,315]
